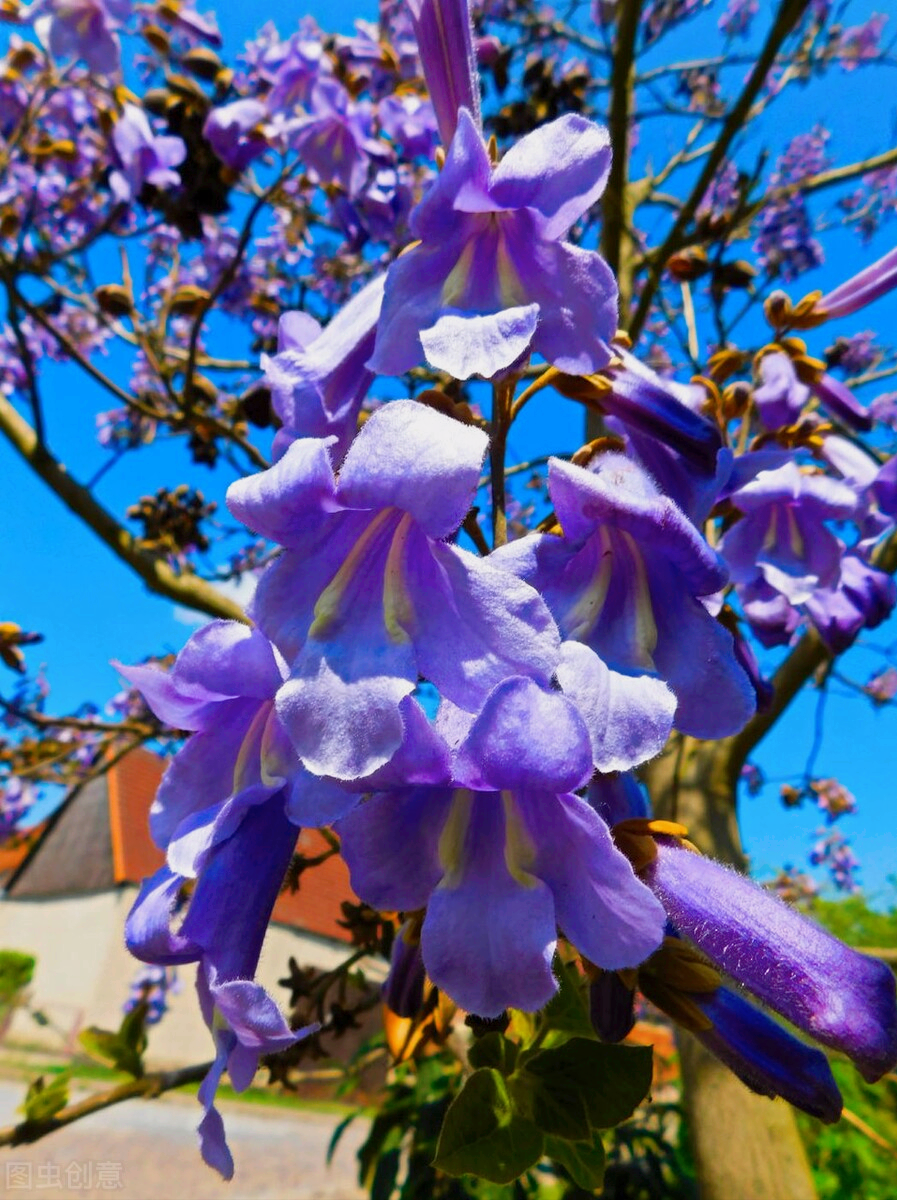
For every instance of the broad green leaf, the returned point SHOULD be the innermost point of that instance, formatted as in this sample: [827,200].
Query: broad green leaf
[493,1050]
[45,1100]
[610,1080]
[482,1135]
[553,1101]
[584,1160]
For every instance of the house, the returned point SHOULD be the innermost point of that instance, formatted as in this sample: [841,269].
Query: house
[68,892]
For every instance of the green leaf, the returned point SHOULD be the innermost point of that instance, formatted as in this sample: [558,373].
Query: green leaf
[554,1101]
[109,1048]
[584,1160]
[493,1050]
[609,1080]
[337,1134]
[45,1100]
[568,1010]
[132,1031]
[482,1135]
[16,972]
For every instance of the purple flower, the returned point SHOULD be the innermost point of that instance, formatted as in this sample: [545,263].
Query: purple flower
[501,853]
[860,43]
[226,812]
[679,447]
[854,354]
[319,379]
[862,598]
[368,596]
[334,137]
[736,21]
[611,1007]
[235,132]
[142,156]
[839,401]
[882,687]
[837,995]
[409,121]
[445,43]
[785,244]
[782,537]
[84,29]
[300,65]
[629,579]
[403,991]
[490,279]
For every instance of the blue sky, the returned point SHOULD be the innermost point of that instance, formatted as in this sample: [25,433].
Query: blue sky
[60,580]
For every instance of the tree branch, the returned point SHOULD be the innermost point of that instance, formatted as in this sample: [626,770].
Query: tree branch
[788,15]
[617,201]
[149,1087]
[159,577]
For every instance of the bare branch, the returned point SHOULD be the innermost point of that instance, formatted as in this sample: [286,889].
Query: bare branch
[149,1087]
[156,573]
[787,17]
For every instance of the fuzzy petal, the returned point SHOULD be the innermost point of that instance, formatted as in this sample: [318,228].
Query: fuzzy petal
[476,626]
[466,344]
[836,995]
[525,737]
[390,845]
[285,502]
[488,938]
[602,907]
[413,458]
[628,718]
[560,169]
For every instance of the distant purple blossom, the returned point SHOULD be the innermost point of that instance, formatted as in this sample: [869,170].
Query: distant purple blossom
[86,30]
[861,43]
[736,21]
[832,852]
[785,244]
[833,798]
[143,157]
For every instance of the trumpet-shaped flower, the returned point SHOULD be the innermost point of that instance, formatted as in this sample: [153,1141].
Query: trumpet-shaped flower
[490,278]
[226,812]
[627,578]
[838,996]
[782,537]
[501,853]
[368,596]
[143,157]
[318,379]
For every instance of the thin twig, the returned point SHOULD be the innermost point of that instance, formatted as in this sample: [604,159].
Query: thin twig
[149,1087]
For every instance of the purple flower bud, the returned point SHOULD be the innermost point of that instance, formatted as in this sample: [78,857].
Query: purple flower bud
[234,132]
[864,287]
[837,995]
[445,42]
[403,991]
[611,1006]
[767,1058]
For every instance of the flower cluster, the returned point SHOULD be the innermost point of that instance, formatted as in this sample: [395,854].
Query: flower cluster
[466,722]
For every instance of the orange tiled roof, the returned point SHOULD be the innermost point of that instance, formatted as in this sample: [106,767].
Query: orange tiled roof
[16,848]
[130,786]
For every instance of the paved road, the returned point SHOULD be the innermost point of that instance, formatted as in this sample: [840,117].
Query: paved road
[147,1150]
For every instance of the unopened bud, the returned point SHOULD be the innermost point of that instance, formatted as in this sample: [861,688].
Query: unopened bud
[113,299]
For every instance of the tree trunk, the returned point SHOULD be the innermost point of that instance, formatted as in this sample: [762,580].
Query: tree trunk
[745,1146]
